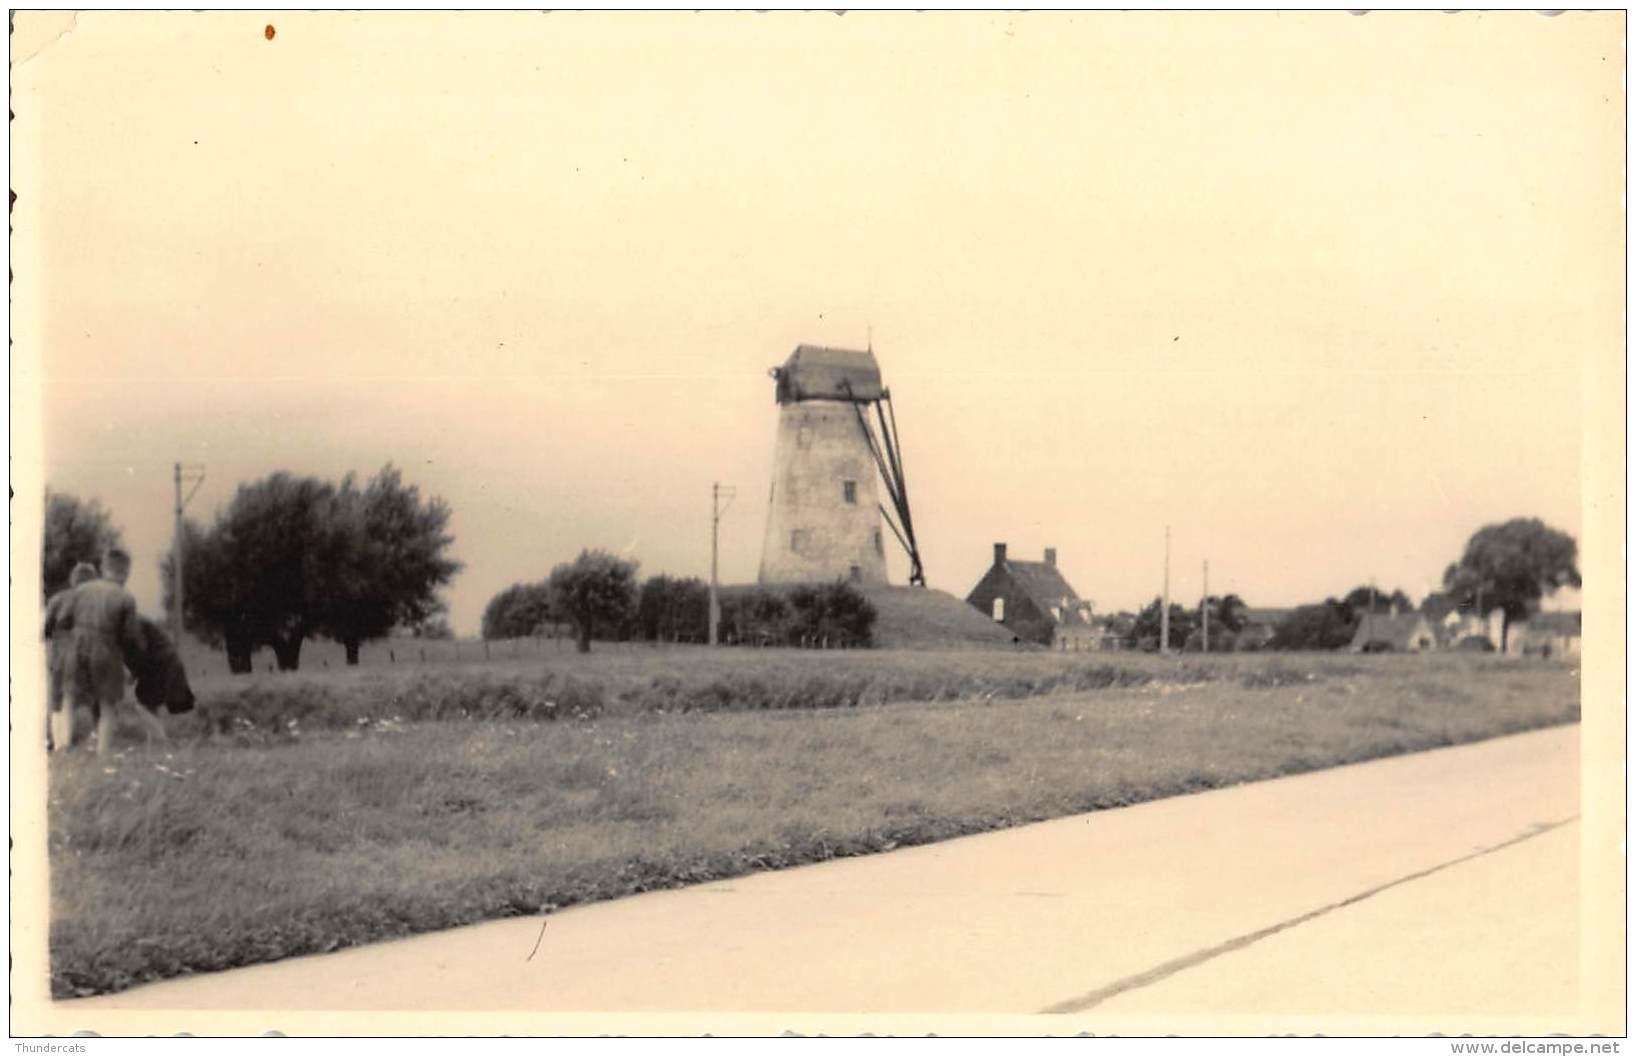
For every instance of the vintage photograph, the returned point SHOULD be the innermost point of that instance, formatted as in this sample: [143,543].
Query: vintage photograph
[551,523]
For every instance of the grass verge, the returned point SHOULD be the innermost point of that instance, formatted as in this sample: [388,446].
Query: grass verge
[215,854]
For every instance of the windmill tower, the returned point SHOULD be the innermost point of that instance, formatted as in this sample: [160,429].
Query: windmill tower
[825,515]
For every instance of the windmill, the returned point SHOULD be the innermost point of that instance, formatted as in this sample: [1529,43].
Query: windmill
[824,512]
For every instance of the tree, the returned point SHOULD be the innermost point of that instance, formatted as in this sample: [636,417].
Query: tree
[759,616]
[1145,630]
[834,614]
[76,530]
[262,573]
[1329,625]
[1511,566]
[216,605]
[595,590]
[518,611]
[673,609]
[1228,616]
[1367,599]
[384,560]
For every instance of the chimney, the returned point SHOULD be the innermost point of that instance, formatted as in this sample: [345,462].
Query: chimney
[999,554]
[1050,556]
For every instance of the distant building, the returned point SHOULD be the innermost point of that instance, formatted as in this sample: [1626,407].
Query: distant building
[1396,632]
[1036,604]
[1545,635]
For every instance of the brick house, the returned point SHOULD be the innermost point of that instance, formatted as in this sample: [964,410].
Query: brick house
[1035,603]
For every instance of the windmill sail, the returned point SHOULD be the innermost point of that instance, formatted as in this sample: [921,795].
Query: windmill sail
[888,453]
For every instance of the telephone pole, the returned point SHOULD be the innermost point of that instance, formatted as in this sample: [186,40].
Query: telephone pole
[191,473]
[1204,606]
[1164,606]
[718,492]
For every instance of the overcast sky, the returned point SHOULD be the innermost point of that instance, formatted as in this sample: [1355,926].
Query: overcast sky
[1316,290]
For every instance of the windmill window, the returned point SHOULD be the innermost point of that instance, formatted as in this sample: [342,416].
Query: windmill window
[857,573]
[999,609]
[878,548]
[798,540]
[849,491]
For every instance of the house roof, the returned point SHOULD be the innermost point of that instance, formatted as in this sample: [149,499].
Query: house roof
[1395,628]
[1554,624]
[1043,583]
[814,372]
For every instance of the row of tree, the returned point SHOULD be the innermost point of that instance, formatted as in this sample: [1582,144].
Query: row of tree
[291,558]
[597,595]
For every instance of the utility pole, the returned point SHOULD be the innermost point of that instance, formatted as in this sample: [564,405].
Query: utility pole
[1369,617]
[717,493]
[1164,606]
[1204,606]
[192,473]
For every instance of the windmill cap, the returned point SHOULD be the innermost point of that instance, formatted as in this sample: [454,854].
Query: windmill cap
[814,372]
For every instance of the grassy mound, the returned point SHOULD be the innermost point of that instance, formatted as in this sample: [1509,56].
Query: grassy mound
[924,618]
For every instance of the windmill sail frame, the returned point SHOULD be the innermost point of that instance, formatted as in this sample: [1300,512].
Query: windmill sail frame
[887,450]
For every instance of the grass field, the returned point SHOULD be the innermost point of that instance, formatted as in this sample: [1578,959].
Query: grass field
[362,824]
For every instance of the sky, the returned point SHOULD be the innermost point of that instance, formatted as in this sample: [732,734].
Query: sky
[1323,293]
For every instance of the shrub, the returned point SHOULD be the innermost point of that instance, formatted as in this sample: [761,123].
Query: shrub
[832,615]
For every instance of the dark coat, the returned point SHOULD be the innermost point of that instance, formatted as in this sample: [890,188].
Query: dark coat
[160,677]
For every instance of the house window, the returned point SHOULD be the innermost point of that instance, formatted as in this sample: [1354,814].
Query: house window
[849,491]
[999,609]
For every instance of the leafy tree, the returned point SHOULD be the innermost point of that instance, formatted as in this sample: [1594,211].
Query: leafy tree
[76,530]
[433,627]
[595,590]
[1511,566]
[262,574]
[1228,616]
[1145,630]
[215,604]
[1329,625]
[1358,601]
[758,617]
[673,609]
[518,611]
[836,614]
[384,560]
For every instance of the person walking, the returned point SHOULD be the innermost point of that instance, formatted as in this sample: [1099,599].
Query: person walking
[100,617]
[57,652]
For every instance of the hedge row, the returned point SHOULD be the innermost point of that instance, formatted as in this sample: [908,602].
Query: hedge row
[288,704]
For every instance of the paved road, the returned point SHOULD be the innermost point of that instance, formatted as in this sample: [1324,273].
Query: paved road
[1443,883]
